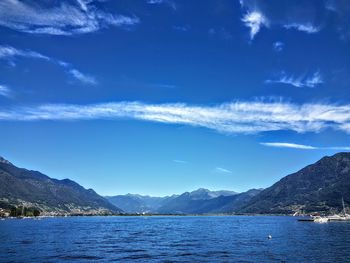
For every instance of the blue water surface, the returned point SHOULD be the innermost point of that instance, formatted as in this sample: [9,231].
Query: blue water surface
[173,239]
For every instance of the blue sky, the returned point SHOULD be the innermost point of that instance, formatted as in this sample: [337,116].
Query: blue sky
[165,96]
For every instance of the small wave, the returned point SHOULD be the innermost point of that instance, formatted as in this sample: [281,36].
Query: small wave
[139,256]
[77,257]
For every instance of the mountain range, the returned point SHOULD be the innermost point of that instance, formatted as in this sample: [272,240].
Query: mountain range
[319,187]
[22,187]
[202,201]
[135,203]
[195,202]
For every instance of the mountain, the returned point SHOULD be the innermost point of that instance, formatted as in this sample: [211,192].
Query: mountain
[22,187]
[134,203]
[316,188]
[319,187]
[228,204]
[204,194]
[203,201]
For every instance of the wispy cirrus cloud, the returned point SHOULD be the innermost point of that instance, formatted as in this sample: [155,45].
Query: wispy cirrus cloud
[303,146]
[222,170]
[297,16]
[231,118]
[254,20]
[82,77]
[8,52]
[59,17]
[288,145]
[307,27]
[11,54]
[167,2]
[302,81]
[278,46]
[5,91]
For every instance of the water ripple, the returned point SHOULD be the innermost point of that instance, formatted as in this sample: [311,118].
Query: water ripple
[173,239]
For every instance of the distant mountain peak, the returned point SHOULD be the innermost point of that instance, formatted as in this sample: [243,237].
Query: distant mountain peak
[200,190]
[3,160]
[203,193]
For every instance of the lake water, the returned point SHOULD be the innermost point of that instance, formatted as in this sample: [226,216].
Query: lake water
[173,239]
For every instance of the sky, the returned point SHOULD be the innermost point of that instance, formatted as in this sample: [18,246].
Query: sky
[160,97]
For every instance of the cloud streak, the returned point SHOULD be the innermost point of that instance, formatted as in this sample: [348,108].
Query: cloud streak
[82,77]
[302,146]
[222,170]
[10,54]
[59,17]
[158,2]
[299,82]
[307,28]
[288,145]
[230,118]
[5,91]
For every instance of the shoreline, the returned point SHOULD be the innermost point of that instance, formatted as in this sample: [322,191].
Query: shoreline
[146,215]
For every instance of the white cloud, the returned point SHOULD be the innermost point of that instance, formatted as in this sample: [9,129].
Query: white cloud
[314,80]
[152,2]
[291,16]
[278,46]
[300,82]
[231,118]
[254,20]
[288,145]
[5,91]
[303,147]
[168,2]
[82,77]
[10,53]
[308,27]
[58,18]
[222,170]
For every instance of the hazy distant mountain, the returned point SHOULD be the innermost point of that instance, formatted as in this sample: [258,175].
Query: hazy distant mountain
[19,186]
[228,204]
[315,188]
[203,201]
[134,203]
[202,194]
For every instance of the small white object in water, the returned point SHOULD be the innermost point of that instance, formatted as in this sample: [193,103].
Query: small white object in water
[269,237]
